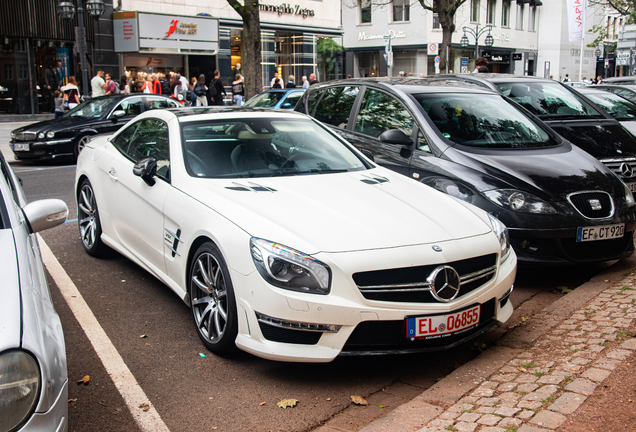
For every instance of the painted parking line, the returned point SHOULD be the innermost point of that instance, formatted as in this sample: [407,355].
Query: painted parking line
[124,381]
[71,220]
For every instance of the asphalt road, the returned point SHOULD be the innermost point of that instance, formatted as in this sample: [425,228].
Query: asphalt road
[238,393]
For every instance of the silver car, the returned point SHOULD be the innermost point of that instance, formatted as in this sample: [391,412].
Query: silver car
[33,377]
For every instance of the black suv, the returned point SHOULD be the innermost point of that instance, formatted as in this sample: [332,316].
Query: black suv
[560,204]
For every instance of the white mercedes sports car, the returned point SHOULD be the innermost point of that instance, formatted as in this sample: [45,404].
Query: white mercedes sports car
[288,243]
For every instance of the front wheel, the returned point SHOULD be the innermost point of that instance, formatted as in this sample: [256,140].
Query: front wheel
[212,300]
[80,143]
[90,227]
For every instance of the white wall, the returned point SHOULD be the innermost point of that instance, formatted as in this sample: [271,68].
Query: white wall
[326,12]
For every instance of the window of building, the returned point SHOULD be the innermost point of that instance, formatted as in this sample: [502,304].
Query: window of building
[436,24]
[474,11]
[532,19]
[401,10]
[519,25]
[365,11]
[490,12]
[505,13]
[8,71]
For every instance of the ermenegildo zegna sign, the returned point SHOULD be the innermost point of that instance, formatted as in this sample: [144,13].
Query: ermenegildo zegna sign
[157,33]
[287,9]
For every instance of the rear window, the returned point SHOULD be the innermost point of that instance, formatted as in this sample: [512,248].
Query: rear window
[265,100]
[481,120]
[548,100]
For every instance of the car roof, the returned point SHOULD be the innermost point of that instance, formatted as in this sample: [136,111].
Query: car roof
[631,87]
[413,84]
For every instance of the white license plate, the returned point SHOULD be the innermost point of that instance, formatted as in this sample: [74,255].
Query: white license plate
[632,187]
[21,147]
[436,325]
[604,232]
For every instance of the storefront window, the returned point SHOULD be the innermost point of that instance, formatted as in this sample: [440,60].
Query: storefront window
[367,64]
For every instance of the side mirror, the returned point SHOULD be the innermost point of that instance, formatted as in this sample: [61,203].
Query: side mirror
[117,114]
[286,105]
[396,136]
[146,169]
[45,214]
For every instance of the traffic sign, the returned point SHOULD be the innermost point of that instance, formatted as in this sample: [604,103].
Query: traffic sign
[389,61]
[433,49]
[437,59]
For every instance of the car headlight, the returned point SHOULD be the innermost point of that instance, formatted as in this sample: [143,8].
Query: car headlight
[290,269]
[19,388]
[50,135]
[449,187]
[41,135]
[12,135]
[502,235]
[519,201]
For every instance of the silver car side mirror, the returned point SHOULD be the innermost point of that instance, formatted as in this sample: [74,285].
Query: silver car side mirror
[45,214]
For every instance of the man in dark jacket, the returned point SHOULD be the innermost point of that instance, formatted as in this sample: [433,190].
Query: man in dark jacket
[165,85]
[312,79]
[216,89]
[52,78]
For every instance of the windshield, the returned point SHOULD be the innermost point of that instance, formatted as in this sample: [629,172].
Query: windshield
[616,106]
[548,100]
[264,147]
[265,100]
[91,108]
[481,120]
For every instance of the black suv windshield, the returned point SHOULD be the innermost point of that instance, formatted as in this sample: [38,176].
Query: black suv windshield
[481,120]
[616,106]
[548,100]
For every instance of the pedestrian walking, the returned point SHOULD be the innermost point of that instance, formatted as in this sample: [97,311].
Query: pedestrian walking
[216,89]
[111,86]
[481,61]
[124,84]
[567,78]
[71,93]
[238,90]
[98,84]
[276,75]
[305,82]
[147,87]
[165,85]
[156,85]
[276,84]
[290,82]
[53,78]
[312,79]
[200,90]
[59,104]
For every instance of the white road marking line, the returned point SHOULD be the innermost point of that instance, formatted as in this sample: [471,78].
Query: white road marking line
[124,380]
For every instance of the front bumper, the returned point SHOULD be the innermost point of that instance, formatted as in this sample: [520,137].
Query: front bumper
[43,150]
[365,327]
[55,419]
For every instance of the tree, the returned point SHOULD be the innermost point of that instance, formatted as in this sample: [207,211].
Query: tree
[623,7]
[328,52]
[250,45]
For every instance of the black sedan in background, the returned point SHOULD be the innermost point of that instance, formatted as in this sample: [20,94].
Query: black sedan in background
[570,114]
[66,136]
[560,204]
[617,106]
[628,91]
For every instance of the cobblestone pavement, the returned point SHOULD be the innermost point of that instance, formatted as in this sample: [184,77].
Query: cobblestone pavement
[544,383]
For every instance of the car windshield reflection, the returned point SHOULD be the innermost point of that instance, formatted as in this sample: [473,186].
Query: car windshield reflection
[616,106]
[264,147]
[548,100]
[482,121]
[90,109]
[265,100]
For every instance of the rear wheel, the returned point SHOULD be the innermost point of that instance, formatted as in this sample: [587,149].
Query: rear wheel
[80,143]
[212,300]
[90,227]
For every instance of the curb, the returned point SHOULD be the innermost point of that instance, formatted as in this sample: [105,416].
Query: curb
[442,405]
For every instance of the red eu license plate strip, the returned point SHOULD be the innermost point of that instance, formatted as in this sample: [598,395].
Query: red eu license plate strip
[442,324]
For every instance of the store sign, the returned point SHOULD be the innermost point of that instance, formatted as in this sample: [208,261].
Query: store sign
[517,56]
[169,32]
[171,62]
[392,33]
[125,31]
[287,9]
[622,58]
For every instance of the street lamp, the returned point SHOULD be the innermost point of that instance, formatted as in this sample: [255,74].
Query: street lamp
[66,11]
[477,33]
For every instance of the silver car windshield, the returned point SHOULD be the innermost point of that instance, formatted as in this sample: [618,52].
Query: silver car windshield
[482,120]
[264,147]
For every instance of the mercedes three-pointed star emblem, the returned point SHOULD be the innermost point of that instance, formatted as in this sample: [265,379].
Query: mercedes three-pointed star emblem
[445,283]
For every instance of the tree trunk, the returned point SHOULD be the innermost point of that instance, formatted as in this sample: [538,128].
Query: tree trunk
[250,47]
[448,27]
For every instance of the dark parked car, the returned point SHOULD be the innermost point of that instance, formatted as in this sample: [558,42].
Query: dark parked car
[66,136]
[570,114]
[628,91]
[560,204]
[617,106]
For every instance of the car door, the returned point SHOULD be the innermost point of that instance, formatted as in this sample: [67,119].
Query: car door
[136,208]
[378,112]
[132,107]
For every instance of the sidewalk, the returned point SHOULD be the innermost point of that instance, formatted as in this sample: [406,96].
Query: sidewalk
[5,138]
[540,372]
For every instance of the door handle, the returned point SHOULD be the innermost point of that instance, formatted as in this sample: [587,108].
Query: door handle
[112,173]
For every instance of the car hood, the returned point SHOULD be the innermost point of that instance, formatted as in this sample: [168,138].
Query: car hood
[341,212]
[602,139]
[54,125]
[550,174]
[10,309]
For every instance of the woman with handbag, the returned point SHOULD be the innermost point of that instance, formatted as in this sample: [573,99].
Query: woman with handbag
[147,87]
[71,94]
